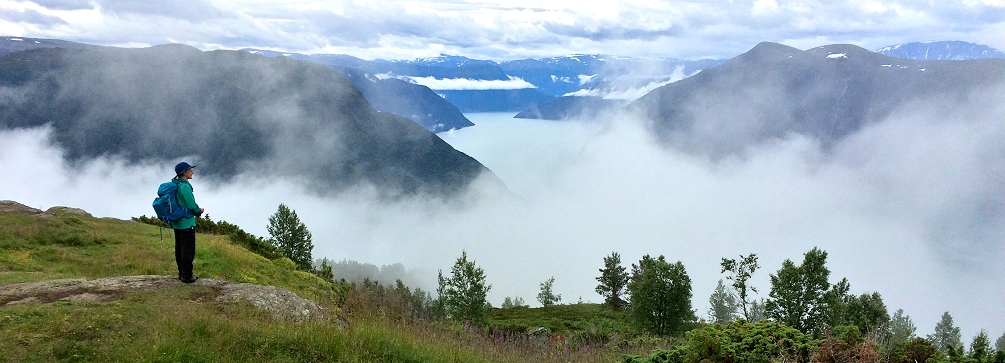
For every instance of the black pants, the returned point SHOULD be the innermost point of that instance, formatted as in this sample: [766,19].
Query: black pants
[184,251]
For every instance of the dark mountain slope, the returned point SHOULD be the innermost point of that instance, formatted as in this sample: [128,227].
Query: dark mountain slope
[571,107]
[826,93]
[10,44]
[230,112]
[415,102]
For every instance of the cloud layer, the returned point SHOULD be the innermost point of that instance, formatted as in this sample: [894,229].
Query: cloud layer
[909,207]
[501,30]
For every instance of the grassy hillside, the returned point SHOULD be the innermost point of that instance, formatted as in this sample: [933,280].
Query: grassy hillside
[183,323]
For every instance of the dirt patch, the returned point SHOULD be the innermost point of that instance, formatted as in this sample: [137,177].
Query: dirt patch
[282,304]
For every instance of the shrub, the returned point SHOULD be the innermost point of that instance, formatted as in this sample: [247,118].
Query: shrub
[739,342]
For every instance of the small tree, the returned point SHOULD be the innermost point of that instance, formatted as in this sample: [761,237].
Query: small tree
[901,330]
[513,302]
[291,237]
[1000,343]
[722,304]
[756,311]
[547,297]
[613,281]
[946,336]
[325,271]
[868,313]
[740,272]
[660,297]
[980,348]
[798,294]
[462,295]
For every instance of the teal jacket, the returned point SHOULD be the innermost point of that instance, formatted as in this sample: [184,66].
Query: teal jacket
[187,200]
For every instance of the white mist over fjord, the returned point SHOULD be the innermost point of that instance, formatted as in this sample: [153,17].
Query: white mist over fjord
[906,207]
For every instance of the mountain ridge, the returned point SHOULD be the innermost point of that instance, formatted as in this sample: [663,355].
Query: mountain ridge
[235,111]
[826,93]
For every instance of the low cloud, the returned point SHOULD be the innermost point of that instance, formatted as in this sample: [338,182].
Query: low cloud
[469,84]
[613,90]
[910,207]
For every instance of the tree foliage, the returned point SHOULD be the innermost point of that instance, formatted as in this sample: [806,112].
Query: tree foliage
[946,337]
[756,311]
[722,305]
[660,297]
[462,295]
[798,294]
[901,330]
[509,303]
[740,272]
[980,348]
[738,341]
[613,281]
[547,295]
[868,313]
[291,236]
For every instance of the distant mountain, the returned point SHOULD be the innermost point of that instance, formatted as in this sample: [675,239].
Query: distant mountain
[948,50]
[572,107]
[825,93]
[231,112]
[16,44]
[409,100]
[543,79]
[495,100]
[559,76]
[412,101]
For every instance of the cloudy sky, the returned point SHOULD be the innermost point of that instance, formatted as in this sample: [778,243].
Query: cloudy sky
[506,29]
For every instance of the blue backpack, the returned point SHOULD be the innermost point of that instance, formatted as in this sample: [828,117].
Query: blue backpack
[166,204]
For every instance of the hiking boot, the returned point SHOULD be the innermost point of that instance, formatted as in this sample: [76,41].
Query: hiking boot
[190,279]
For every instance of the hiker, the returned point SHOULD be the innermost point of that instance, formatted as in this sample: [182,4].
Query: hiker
[184,229]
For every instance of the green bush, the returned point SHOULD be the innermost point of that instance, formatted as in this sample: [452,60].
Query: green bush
[739,342]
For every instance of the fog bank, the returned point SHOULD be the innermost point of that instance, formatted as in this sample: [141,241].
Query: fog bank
[911,207]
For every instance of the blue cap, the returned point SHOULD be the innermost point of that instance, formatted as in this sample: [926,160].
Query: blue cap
[182,167]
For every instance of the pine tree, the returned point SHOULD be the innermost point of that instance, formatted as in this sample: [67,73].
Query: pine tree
[740,272]
[946,336]
[722,304]
[660,297]
[462,295]
[291,237]
[901,330]
[980,348]
[1000,343]
[547,297]
[613,280]
[325,272]
[756,311]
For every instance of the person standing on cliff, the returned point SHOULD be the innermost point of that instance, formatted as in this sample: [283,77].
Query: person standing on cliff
[184,229]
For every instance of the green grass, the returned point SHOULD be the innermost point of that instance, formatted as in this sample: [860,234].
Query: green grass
[183,324]
[178,324]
